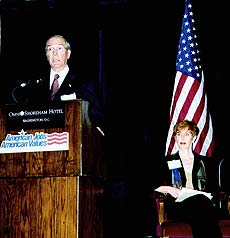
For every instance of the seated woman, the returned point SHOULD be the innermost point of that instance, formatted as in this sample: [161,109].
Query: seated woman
[188,169]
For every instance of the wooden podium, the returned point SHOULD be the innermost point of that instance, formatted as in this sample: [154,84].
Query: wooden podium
[54,194]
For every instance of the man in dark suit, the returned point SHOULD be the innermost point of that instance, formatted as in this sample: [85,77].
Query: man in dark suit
[69,86]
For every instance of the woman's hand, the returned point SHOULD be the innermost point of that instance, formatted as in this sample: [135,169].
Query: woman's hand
[169,189]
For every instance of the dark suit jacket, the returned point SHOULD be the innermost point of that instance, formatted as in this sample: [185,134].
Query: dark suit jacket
[37,91]
[204,174]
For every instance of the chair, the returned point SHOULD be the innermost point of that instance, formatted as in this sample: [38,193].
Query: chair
[177,229]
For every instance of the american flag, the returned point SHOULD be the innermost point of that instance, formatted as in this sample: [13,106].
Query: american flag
[57,138]
[189,99]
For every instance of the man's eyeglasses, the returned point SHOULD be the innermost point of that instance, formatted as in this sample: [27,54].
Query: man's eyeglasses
[57,48]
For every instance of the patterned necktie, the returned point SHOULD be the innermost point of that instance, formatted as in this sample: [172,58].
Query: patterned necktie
[55,86]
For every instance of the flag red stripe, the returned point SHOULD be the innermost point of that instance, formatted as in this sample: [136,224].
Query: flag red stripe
[177,93]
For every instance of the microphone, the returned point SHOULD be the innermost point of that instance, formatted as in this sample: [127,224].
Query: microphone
[30,83]
[20,92]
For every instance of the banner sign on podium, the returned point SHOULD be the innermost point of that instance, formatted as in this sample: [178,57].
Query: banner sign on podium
[39,141]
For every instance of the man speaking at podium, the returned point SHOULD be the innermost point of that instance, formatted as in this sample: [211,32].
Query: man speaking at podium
[60,83]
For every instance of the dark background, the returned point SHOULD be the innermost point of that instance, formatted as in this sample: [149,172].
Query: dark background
[137,45]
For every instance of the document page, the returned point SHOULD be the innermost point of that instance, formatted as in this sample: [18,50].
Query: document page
[187,192]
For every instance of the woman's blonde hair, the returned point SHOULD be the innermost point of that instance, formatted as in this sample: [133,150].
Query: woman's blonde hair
[190,125]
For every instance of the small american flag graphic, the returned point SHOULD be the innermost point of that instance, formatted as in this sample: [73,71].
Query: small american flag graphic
[57,138]
[189,99]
